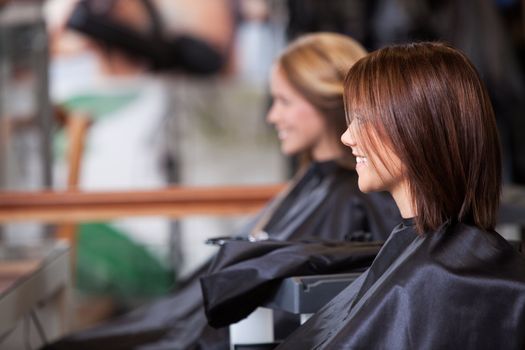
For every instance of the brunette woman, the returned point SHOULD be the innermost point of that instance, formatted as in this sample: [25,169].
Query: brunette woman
[421,126]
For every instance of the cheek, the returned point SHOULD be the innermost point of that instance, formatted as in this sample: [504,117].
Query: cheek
[389,177]
[288,116]
[312,122]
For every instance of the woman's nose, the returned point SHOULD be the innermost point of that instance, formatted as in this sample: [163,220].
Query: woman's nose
[272,115]
[347,138]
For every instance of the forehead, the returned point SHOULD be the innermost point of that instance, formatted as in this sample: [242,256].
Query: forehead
[278,80]
[354,110]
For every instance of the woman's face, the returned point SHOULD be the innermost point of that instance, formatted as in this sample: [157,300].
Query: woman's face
[378,169]
[299,125]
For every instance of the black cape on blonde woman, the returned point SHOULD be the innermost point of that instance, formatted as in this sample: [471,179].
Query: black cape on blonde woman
[324,204]
[455,288]
[257,277]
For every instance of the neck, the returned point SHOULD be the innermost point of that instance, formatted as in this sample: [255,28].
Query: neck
[404,201]
[325,151]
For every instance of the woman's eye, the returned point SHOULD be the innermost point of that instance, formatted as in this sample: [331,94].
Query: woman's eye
[358,120]
[284,101]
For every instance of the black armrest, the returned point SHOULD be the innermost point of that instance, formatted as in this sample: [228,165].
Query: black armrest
[307,294]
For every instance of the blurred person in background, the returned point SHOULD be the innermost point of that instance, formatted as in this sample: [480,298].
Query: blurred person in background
[110,60]
[322,202]
[258,40]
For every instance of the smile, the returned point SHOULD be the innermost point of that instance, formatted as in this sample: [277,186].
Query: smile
[361,160]
[282,134]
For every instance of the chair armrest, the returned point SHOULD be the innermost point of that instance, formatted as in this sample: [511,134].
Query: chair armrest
[307,294]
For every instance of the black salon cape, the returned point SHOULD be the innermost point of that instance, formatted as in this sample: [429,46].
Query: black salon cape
[455,288]
[245,275]
[324,204]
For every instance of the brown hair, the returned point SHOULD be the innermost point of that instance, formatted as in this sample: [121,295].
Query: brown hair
[316,65]
[426,103]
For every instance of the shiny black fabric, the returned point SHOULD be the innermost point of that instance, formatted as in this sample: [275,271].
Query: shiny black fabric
[456,288]
[327,204]
[324,204]
[237,285]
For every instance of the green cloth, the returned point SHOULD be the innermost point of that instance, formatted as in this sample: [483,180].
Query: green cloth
[99,105]
[110,263]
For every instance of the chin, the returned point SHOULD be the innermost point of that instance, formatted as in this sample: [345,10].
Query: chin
[289,151]
[286,152]
[367,188]
[364,189]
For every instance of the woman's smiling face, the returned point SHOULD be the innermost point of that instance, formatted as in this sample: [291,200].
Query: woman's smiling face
[299,125]
[378,167]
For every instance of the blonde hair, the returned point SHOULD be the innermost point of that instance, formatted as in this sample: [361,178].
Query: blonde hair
[316,65]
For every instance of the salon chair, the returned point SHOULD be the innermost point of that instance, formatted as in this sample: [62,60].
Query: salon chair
[298,297]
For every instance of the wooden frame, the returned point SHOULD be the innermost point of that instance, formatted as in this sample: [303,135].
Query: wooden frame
[173,202]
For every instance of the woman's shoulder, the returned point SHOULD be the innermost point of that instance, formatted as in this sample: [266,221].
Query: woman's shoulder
[479,237]
[463,249]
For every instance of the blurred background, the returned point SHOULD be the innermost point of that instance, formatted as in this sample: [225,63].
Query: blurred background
[175,92]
